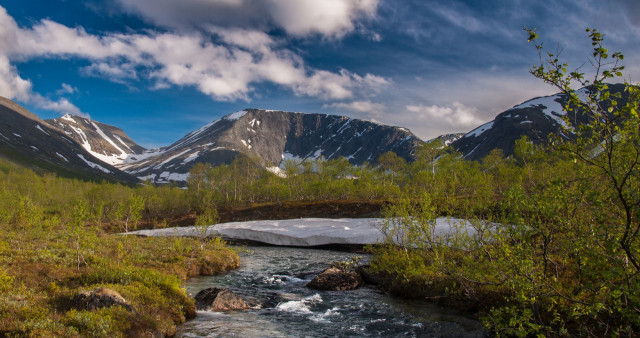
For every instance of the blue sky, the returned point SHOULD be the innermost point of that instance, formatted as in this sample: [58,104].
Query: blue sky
[161,68]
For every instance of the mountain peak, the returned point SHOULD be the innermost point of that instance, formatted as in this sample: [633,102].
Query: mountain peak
[272,136]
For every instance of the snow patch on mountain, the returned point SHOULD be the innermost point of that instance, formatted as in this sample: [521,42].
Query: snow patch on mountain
[171,158]
[235,116]
[42,130]
[108,139]
[191,157]
[60,155]
[478,131]
[553,109]
[93,165]
[277,171]
[166,176]
[68,118]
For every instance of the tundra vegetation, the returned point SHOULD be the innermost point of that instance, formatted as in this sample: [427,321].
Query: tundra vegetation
[554,251]
[555,246]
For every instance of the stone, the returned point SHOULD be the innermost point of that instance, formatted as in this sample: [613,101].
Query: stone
[100,298]
[334,279]
[218,299]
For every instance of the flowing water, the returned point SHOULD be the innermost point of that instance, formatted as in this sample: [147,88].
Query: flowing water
[274,279]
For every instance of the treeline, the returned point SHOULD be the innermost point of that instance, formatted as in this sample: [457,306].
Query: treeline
[437,170]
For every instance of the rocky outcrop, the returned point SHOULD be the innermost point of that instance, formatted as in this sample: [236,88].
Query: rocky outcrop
[334,279]
[98,299]
[218,299]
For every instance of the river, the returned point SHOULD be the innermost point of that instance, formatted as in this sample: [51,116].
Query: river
[275,277]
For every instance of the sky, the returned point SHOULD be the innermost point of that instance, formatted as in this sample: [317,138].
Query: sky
[159,69]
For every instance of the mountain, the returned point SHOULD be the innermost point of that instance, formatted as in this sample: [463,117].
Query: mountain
[107,143]
[536,119]
[30,141]
[270,137]
[447,139]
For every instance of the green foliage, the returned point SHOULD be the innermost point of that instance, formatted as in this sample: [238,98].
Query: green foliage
[54,245]
[562,256]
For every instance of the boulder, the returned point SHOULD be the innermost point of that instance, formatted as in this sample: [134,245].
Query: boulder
[334,279]
[98,299]
[217,299]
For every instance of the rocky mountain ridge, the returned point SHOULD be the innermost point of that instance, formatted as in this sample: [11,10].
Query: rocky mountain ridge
[271,137]
[27,139]
[536,119]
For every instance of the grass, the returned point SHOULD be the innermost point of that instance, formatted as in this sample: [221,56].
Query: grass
[39,275]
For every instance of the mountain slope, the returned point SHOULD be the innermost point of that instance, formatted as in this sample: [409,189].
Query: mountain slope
[30,141]
[536,119]
[270,137]
[107,143]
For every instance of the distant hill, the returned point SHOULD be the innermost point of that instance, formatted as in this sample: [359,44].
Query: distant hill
[27,140]
[270,137]
[107,143]
[536,119]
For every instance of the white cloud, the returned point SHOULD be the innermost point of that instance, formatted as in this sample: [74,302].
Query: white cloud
[366,110]
[67,89]
[226,69]
[456,115]
[62,106]
[329,18]
[14,87]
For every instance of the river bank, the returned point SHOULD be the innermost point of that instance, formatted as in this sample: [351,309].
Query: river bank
[275,278]
[44,277]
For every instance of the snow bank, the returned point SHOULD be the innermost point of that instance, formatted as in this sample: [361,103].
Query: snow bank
[297,232]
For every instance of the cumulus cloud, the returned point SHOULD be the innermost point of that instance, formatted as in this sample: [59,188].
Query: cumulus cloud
[455,115]
[224,63]
[329,18]
[12,85]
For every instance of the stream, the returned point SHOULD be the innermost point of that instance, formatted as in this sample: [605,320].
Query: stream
[275,278]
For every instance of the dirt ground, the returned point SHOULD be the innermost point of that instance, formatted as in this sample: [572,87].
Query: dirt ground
[284,210]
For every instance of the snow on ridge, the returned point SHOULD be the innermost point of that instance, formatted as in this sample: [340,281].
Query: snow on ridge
[135,158]
[109,159]
[192,136]
[107,138]
[93,165]
[123,143]
[480,130]
[344,126]
[236,115]
[42,130]
[170,158]
[68,118]
[191,157]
